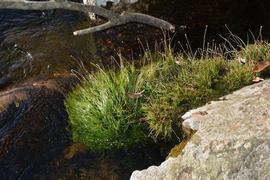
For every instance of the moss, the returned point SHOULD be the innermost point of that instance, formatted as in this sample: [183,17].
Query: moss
[104,116]
[177,149]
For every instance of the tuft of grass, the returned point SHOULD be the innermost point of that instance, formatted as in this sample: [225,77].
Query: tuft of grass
[177,88]
[104,116]
[258,51]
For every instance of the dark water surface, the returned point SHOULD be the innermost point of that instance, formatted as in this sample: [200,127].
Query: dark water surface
[41,42]
[36,43]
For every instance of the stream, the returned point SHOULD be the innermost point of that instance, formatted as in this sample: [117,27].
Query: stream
[40,44]
[36,43]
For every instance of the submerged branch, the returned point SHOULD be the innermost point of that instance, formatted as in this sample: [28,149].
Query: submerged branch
[114,19]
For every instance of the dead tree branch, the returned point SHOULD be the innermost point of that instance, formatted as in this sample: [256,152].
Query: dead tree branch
[114,19]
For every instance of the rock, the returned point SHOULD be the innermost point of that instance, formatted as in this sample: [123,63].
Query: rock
[33,124]
[232,140]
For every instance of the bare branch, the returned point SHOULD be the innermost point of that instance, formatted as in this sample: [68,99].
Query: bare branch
[101,27]
[114,19]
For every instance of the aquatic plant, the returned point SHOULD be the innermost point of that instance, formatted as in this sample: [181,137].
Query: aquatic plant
[121,108]
[178,87]
[101,113]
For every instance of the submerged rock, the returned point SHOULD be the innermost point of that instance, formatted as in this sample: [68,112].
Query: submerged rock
[33,124]
[36,143]
[232,140]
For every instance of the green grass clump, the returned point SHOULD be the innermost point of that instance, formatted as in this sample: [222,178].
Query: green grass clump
[177,88]
[104,116]
[259,51]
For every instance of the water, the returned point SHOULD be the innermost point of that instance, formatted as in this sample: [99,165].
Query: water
[33,43]
[40,43]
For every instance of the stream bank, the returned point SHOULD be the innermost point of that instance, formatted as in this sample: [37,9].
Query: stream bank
[231,140]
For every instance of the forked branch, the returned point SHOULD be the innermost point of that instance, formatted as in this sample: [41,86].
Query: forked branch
[114,19]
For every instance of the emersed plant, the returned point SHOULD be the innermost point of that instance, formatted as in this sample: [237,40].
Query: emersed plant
[102,115]
[188,84]
[120,108]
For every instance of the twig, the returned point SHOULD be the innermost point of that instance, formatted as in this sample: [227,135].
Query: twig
[114,19]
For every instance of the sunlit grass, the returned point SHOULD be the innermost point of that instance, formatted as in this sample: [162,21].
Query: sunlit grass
[178,87]
[104,115]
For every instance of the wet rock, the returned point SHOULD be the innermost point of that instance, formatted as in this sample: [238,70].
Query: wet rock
[33,124]
[232,140]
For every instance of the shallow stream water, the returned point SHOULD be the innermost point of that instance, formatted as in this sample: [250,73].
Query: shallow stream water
[40,43]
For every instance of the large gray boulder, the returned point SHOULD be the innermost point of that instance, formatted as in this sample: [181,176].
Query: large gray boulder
[232,140]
